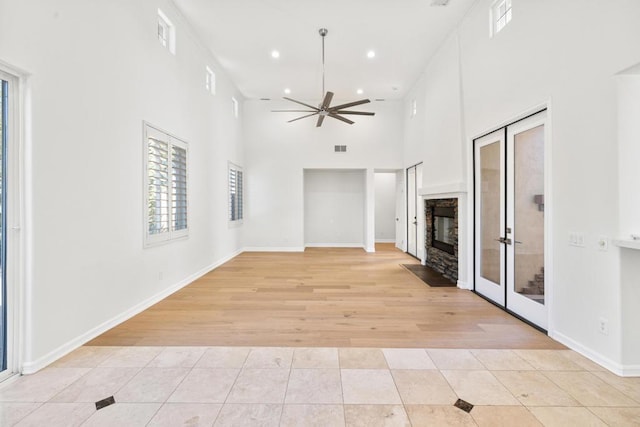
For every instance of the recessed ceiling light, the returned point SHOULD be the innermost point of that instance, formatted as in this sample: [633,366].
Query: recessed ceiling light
[360,91]
[275,54]
[287,91]
[371,54]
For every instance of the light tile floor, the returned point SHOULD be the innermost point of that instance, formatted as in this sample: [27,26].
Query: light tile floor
[237,386]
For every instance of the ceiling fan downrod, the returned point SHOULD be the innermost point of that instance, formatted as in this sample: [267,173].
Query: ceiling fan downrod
[323,33]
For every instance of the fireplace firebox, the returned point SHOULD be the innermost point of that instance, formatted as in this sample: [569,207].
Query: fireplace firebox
[443,228]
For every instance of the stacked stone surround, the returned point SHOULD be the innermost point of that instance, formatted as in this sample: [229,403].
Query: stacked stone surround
[441,261]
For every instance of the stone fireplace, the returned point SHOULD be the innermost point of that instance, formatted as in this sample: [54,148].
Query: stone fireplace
[441,240]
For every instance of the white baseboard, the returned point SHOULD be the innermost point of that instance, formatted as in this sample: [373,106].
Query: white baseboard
[616,368]
[385,240]
[335,245]
[463,285]
[35,365]
[274,249]
[370,249]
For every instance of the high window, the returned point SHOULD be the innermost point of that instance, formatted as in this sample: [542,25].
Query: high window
[236,189]
[165,186]
[210,81]
[500,15]
[234,106]
[166,32]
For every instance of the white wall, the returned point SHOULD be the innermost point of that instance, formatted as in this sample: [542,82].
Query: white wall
[96,71]
[334,207]
[385,206]
[277,152]
[433,136]
[565,54]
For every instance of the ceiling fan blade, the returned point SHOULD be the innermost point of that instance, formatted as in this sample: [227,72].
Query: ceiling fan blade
[303,117]
[359,113]
[350,104]
[335,116]
[327,100]
[320,120]
[293,111]
[301,103]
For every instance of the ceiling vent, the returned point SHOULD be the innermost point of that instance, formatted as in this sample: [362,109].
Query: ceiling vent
[340,148]
[439,2]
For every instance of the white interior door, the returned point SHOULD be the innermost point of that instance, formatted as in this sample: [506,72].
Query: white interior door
[420,216]
[400,215]
[526,219]
[490,216]
[412,220]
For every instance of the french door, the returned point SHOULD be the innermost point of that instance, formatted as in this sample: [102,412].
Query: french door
[510,218]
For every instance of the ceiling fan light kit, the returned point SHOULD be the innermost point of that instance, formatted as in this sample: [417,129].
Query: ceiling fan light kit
[325,109]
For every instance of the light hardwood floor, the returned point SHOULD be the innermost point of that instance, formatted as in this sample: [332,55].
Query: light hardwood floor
[323,298]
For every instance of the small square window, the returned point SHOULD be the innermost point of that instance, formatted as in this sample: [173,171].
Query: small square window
[210,81]
[166,32]
[234,105]
[500,15]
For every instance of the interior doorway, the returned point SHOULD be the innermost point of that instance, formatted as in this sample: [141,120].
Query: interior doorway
[510,218]
[385,207]
[415,213]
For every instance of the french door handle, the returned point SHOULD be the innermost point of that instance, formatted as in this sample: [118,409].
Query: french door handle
[415,222]
[504,240]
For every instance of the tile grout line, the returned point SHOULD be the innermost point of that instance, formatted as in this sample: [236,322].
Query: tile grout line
[224,403]
[286,389]
[344,412]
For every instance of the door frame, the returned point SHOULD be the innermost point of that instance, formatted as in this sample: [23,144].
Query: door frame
[497,295]
[17,261]
[406,181]
[548,220]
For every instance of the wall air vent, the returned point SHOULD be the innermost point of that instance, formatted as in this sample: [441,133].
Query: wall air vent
[340,148]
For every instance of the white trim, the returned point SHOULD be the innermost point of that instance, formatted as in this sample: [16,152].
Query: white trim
[443,189]
[35,365]
[274,249]
[463,285]
[337,245]
[385,240]
[616,368]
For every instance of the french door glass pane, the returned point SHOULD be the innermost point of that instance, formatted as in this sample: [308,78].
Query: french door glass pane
[529,213]
[490,212]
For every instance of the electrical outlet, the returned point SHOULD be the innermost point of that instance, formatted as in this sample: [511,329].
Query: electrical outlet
[603,243]
[603,326]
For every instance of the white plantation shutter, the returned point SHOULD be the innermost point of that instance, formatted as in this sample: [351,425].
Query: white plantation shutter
[235,193]
[179,188]
[166,188]
[158,186]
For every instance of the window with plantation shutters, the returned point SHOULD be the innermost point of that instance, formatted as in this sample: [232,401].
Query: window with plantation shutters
[166,202]
[235,193]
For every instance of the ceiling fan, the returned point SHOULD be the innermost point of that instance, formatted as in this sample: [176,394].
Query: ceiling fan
[325,109]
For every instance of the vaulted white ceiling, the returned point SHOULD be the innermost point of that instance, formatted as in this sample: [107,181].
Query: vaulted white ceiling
[403,33]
